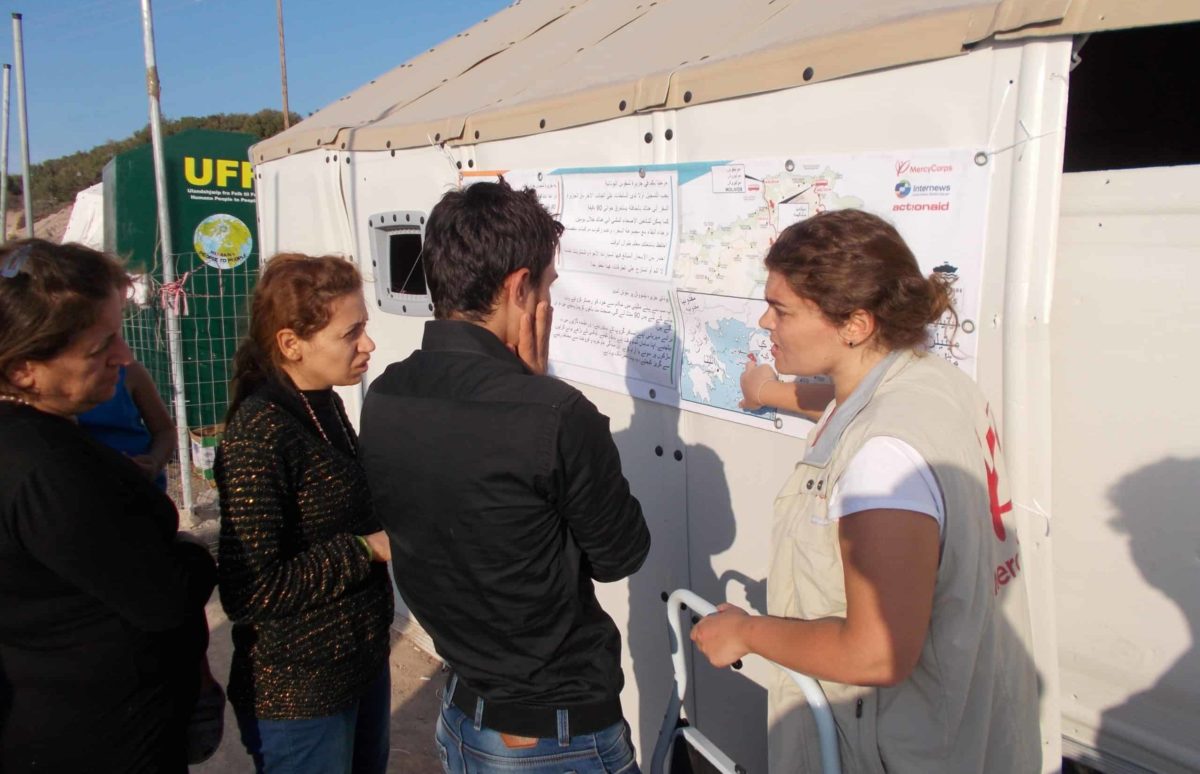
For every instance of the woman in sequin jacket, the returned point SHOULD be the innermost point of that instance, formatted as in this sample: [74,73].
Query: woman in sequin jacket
[302,563]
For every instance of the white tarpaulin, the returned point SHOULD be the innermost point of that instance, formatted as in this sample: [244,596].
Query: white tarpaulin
[86,225]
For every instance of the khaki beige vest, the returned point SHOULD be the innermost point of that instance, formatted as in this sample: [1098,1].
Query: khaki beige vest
[971,703]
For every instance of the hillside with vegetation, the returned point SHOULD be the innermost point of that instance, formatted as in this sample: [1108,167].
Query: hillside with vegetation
[56,181]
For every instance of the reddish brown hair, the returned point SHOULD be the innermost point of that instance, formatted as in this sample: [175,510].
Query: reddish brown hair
[295,291]
[55,294]
[849,259]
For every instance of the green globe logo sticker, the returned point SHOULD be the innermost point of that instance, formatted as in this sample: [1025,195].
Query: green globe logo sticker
[223,241]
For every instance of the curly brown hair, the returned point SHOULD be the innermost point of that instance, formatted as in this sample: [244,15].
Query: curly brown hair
[847,260]
[56,293]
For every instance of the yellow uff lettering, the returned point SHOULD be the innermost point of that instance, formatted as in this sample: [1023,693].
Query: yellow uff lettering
[229,172]
[226,169]
[189,171]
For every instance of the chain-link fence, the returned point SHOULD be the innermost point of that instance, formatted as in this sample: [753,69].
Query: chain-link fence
[213,309]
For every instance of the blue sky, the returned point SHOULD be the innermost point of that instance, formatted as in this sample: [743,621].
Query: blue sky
[85,66]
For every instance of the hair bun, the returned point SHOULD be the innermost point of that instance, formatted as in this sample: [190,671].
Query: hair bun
[941,296]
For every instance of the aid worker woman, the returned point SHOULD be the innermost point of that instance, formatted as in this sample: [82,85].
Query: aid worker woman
[895,578]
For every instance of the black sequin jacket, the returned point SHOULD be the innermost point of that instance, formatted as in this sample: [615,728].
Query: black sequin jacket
[310,611]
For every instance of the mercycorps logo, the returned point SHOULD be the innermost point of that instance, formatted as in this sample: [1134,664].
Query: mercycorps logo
[909,168]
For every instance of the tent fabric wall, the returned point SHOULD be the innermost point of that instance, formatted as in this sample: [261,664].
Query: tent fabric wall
[928,73]
[544,65]
[1127,528]
[86,225]
[722,484]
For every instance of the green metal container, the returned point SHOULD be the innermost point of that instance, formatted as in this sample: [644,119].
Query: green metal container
[211,203]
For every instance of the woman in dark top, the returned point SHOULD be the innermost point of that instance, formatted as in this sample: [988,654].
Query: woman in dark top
[102,633]
[303,571]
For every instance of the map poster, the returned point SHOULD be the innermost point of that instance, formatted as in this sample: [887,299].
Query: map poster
[662,275]
[936,199]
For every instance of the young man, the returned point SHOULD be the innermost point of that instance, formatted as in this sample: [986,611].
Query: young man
[503,495]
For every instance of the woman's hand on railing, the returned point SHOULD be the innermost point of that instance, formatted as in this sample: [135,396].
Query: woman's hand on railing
[721,636]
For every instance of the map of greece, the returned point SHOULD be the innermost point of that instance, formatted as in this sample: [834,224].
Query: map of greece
[719,335]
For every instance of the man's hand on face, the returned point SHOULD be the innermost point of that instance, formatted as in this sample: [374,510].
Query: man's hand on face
[533,344]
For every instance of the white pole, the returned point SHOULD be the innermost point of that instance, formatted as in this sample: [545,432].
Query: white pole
[23,120]
[4,154]
[1028,292]
[174,349]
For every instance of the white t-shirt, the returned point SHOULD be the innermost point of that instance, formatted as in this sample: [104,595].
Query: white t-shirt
[887,473]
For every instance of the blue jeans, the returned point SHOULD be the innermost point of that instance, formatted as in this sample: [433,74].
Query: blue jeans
[466,748]
[354,741]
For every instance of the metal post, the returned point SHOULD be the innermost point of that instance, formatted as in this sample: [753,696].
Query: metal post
[282,62]
[4,154]
[174,349]
[22,119]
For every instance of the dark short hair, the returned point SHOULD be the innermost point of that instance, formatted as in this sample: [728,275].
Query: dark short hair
[846,260]
[477,236]
[55,292]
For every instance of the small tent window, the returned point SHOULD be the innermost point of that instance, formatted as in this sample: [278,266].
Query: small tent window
[1132,100]
[407,273]
[397,239]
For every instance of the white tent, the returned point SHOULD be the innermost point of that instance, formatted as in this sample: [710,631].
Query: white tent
[1083,324]
[86,225]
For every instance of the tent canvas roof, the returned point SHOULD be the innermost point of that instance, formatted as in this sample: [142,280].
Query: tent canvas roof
[541,65]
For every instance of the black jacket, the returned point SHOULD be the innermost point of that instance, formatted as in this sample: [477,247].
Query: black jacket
[101,607]
[504,498]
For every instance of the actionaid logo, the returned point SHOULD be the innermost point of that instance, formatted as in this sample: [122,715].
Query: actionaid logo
[921,207]
[906,167]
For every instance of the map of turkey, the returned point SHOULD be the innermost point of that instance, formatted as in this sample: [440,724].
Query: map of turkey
[724,235]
